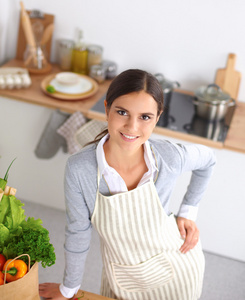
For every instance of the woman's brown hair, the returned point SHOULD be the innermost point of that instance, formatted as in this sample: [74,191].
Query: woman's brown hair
[129,81]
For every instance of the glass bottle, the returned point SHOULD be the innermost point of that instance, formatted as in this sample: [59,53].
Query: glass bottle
[80,56]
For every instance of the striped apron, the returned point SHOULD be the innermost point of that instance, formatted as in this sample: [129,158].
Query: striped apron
[140,249]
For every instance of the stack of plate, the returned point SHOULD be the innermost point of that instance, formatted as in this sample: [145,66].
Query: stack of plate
[70,86]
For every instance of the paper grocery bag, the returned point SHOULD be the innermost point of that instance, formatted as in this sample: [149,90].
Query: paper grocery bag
[25,288]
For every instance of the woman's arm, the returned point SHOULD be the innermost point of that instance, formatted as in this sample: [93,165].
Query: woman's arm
[200,160]
[78,228]
[77,236]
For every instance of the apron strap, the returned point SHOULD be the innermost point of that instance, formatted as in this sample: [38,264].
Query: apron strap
[98,177]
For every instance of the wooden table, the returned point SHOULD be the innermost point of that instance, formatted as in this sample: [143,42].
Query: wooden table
[235,139]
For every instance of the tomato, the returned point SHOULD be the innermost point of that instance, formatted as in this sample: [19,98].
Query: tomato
[2,261]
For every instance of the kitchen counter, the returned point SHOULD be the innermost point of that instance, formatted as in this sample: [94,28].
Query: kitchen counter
[234,141]
[89,296]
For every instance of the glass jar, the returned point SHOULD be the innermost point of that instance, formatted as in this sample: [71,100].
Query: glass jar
[110,69]
[94,55]
[97,72]
[35,58]
[65,47]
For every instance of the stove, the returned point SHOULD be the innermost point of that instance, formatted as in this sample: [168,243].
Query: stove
[180,116]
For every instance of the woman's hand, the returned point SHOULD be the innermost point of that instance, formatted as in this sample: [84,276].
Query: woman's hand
[189,233]
[50,291]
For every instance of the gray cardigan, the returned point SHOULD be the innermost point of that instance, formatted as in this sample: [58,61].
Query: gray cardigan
[81,186]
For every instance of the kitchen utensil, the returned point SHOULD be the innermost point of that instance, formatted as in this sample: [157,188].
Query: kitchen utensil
[26,23]
[22,42]
[211,103]
[47,34]
[63,96]
[229,79]
[37,28]
[34,56]
[167,86]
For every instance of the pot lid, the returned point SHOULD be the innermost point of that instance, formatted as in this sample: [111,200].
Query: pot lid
[212,93]
[167,85]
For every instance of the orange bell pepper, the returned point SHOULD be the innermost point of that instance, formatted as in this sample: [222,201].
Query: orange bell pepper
[15,270]
[1,278]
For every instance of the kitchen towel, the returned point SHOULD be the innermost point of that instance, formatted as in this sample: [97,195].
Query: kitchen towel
[69,128]
[89,131]
[50,140]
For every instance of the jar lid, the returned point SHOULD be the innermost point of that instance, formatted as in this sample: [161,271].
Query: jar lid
[212,93]
[66,43]
[95,49]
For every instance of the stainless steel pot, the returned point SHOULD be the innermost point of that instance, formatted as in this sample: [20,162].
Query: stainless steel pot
[211,103]
[167,87]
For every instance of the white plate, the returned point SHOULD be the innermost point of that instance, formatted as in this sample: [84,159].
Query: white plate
[81,87]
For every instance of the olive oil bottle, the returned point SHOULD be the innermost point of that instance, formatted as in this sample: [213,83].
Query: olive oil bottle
[80,56]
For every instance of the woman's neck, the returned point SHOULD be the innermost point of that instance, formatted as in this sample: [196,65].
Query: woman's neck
[130,165]
[121,159]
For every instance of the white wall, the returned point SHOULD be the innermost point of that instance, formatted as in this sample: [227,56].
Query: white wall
[185,40]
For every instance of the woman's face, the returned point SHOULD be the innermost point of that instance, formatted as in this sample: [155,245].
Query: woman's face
[131,120]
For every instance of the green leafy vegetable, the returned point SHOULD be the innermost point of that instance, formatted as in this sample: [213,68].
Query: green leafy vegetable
[33,240]
[3,181]
[7,172]
[11,212]
[19,236]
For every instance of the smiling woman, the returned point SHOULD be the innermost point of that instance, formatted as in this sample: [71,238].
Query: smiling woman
[121,185]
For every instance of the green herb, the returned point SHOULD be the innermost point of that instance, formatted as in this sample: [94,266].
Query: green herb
[34,240]
[50,89]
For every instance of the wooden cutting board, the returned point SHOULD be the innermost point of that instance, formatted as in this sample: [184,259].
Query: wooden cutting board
[228,78]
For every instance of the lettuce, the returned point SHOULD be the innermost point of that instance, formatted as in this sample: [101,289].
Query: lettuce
[20,236]
[11,212]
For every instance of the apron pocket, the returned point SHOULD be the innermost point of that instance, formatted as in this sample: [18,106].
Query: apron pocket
[147,275]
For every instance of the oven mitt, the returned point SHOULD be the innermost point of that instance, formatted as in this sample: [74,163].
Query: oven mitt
[50,140]
[69,128]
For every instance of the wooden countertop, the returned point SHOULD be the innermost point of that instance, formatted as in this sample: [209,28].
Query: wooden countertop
[83,295]
[35,95]
[235,139]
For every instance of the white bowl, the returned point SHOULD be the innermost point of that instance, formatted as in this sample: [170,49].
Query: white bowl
[67,78]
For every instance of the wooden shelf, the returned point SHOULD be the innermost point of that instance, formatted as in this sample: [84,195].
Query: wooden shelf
[35,95]
[235,139]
